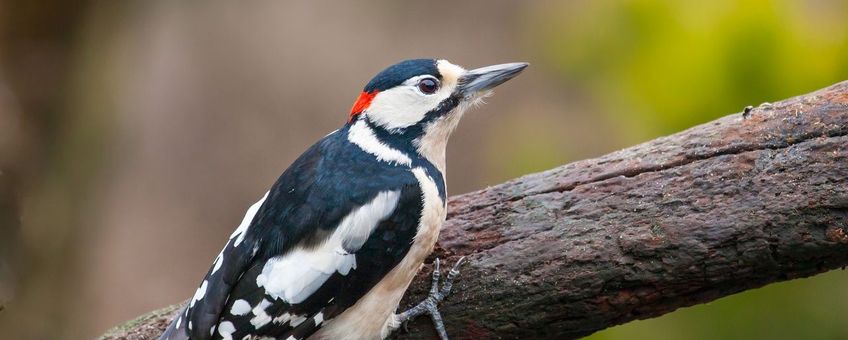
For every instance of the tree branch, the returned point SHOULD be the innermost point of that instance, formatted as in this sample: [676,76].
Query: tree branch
[730,205]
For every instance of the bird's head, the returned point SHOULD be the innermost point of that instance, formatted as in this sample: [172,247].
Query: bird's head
[421,100]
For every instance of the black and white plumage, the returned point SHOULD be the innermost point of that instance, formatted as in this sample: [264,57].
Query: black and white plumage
[330,249]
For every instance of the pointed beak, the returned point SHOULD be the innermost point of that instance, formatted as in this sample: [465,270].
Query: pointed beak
[484,78]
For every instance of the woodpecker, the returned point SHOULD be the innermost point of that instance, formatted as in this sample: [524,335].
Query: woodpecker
[330,249]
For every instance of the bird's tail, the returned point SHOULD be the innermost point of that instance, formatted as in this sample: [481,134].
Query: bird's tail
[177,329]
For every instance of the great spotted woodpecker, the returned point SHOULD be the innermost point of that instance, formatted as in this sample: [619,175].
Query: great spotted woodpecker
[329,250]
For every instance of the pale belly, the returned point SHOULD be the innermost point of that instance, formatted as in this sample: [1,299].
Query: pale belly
[373,316]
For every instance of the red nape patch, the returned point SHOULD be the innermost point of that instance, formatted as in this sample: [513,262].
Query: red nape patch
[361,103]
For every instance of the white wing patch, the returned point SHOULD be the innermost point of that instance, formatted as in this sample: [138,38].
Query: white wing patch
[282,319]
[294,276]
[199,293]
[372,316]
[240,307]
[226,330]
[363,136]
[238,234]
[219,260]
[298,274]
[297,320]
[262,318]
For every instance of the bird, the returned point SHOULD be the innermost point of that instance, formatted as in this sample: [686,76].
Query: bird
[330,249]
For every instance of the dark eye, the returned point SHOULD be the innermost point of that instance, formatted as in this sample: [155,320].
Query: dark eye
[428,85]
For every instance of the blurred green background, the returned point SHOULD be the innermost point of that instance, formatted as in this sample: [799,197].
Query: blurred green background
[134,134]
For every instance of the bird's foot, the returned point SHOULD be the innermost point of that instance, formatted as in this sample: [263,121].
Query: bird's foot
[430,304]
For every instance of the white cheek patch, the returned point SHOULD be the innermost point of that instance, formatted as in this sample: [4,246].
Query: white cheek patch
[404,105]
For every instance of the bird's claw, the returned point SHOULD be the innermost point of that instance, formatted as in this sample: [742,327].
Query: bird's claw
[431,303]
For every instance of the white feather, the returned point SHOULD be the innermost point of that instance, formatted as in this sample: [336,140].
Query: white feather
[239,233]
[262,318]
[226,330]
[294,276]
[245,222]
[361,135]
[282,319]
[240,307]
[297,320]
[199,293]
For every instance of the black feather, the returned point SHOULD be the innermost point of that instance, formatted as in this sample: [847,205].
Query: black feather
[398,73]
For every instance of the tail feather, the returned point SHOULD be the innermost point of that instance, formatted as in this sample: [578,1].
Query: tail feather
[177,329]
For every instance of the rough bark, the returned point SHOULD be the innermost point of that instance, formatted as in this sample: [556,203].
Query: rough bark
[726,206]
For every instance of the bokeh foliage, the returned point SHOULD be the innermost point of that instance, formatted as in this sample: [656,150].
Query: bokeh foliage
[658,67]
[666,65]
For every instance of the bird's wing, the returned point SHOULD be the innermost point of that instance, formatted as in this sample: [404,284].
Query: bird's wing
[291,295]
[330,228]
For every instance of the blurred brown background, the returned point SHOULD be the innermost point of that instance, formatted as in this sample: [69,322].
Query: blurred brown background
[133,135]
